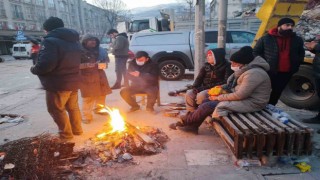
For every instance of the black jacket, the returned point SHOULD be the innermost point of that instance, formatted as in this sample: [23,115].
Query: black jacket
[148,75]
[267,48]
[210,76]
[59,60]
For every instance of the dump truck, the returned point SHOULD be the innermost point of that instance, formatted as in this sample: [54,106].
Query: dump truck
[301,91]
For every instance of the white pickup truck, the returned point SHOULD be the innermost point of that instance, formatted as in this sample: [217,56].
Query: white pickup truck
[174,51]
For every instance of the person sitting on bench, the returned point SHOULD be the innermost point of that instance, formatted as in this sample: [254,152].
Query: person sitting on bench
[248,90]
[214,72]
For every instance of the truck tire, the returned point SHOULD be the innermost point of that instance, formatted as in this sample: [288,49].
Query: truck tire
[301,90]
[171,70]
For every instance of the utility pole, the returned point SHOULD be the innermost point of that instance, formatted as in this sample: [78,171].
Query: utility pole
[222,26]
[199,36]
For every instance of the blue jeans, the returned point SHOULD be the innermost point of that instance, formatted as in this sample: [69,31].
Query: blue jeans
[198,116]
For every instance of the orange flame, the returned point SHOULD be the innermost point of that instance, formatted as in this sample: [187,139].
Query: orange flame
[117,122]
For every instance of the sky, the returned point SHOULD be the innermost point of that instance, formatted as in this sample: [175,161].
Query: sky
[143,3]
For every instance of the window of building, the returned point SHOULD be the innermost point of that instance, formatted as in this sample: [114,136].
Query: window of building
[3,25]
[31,27]
[29,12]
[2,10]
[51,4]
[27,1]
[39,2]
[41,15]
[19,26]
[63,6]
[16,11]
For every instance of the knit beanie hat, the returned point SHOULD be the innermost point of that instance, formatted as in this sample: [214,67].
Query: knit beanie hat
[243,56]
[52,23]
[140,54]
[285,21]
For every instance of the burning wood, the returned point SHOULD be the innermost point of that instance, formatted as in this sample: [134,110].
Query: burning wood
[121,139]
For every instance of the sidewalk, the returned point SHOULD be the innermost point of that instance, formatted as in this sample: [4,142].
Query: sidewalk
[187,156]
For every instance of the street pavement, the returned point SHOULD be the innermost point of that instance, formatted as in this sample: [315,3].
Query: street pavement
[187,156]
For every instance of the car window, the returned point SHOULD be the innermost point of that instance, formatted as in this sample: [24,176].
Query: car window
[23,49]
[15,48]
[211,37]
[241,37]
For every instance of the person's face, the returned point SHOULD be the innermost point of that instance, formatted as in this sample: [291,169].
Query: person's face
[113,35]
[211,59]
[286,26]
[235,64]
[91,43]
[142,59]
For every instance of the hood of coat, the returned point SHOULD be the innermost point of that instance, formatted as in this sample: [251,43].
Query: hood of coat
[219,55]
[87,37]
[65,34]
[257,62]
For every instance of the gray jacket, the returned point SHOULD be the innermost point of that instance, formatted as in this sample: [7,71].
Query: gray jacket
[120,46]
[251,92]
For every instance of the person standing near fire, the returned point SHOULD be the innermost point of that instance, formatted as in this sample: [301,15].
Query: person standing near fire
[284,52]
[120,49]
[58,70]
[94,82]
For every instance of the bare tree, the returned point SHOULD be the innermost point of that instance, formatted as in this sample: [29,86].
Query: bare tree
[115,11]
[190,7]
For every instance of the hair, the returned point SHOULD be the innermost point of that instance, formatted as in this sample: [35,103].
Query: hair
[111,31]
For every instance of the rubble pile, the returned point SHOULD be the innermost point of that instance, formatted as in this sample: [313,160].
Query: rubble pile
[309,25]
[37,157]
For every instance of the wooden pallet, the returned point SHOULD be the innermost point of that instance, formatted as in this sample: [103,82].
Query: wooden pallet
[258,133]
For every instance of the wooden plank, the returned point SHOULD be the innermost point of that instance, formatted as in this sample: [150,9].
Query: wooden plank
[249,136]
[259,136]
[237,136]
[225,136]
[142,135]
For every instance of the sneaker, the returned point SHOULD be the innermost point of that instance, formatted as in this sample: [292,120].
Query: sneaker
[190,129]
[133,109]
[314,120]
[116,86]
[175,125]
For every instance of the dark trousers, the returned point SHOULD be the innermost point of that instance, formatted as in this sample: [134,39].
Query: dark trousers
[121,70]
[278,82]
[199,115]
[128,95]
[59,104]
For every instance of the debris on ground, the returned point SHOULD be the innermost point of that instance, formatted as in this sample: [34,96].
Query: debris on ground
[11,118]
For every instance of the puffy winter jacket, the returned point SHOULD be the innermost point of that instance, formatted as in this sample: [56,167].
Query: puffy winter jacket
[59,60]
[120,46]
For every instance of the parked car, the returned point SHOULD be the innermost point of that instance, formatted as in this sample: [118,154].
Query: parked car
[21,50]
[174,51]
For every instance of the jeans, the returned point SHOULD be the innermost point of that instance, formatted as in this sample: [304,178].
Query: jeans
[278,82]
[194,99]
[88,105]
[128,95]
[121,70]
[60,104]
[198,116]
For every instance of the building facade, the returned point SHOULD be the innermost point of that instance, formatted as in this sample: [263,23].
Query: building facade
[29,15]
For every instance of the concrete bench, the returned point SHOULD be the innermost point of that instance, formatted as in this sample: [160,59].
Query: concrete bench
[258,134]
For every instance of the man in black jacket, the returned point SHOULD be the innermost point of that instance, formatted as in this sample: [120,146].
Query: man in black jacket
[58,70]
[284,52]
[314,47]
[143,74]
[120,49]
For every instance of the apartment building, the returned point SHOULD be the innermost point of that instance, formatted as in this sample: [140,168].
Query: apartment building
[29,15]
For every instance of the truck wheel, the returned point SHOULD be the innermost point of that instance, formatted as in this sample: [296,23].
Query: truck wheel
[171,70]
[301,90]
